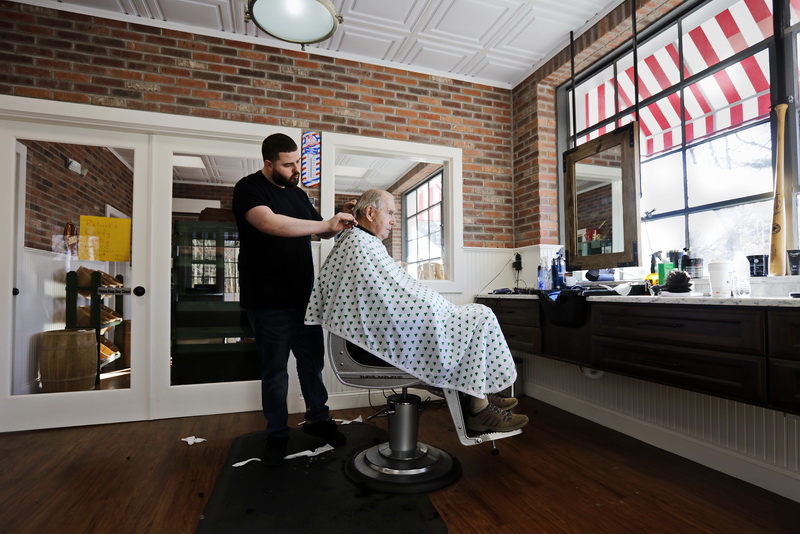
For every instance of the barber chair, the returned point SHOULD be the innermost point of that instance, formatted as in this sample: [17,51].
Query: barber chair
[402,464]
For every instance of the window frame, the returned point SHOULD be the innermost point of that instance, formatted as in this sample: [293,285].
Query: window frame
[783,79]
[406,216]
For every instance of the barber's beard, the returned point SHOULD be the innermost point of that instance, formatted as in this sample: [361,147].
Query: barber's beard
[285,182]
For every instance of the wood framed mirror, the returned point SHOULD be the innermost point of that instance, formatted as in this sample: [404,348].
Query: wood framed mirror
[601,192]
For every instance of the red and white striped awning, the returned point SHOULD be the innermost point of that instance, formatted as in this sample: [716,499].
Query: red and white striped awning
[728,98]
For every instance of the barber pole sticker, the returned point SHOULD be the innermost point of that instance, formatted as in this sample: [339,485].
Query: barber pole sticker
[310,170]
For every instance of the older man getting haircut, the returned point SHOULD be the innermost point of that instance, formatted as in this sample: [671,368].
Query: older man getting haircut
[364,296]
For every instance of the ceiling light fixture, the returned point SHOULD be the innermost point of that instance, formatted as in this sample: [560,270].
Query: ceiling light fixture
[295,21]
[194,162]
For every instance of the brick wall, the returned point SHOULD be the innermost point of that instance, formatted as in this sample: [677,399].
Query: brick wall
[594,209]
[70,57]
[77,58]
[55,195]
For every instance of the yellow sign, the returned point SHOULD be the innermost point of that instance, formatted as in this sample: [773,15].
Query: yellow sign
[104,239]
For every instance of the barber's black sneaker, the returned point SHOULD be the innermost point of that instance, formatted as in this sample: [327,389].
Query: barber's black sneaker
[325,430]
[275,450]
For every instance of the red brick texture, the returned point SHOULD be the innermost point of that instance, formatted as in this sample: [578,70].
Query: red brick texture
[55,195]
[507,137]
[70,57]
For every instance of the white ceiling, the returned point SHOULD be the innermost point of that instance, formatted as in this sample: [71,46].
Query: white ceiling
[492,42]
[354,173]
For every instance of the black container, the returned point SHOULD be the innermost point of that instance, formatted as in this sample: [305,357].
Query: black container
[794,261]
[694,267]
[759,264]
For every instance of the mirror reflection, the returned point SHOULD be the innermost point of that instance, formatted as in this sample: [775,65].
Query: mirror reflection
[601,201]
[417,186]
[598,185]
[71,331]
[211,339]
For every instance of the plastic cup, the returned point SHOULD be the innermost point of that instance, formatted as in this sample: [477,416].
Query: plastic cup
[720,276]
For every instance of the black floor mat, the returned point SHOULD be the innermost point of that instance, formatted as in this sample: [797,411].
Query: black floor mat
[310,494]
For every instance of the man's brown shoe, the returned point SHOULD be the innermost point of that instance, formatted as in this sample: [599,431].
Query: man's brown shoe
[504,403]
[493,419]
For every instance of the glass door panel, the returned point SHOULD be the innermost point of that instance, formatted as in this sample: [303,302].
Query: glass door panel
[72,334]
[210,358]
[72,217]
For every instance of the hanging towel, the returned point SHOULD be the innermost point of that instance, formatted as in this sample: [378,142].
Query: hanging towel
[365,297]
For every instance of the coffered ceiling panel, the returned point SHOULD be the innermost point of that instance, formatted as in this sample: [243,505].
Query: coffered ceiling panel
[400,15]
[384,44]
[471,21]
[436,56]
[215,15]
[493,42]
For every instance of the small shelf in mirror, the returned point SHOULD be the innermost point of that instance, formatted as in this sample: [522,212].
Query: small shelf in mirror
[601,191]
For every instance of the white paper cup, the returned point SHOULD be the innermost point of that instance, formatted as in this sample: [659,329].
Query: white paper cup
[720,274]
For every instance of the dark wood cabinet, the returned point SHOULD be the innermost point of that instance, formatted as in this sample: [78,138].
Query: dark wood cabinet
[519,320]
[783,327]
[784,334]
[724,374]
[744,353]
[784,385]
[715,350]
[733,329]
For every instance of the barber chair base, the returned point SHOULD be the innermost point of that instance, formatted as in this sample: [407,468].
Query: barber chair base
[374,468]
[403,465]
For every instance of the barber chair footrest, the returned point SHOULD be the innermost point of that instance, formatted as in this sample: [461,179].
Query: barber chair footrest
[430,470]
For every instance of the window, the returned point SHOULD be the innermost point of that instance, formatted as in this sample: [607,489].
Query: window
[211,255]
[205,263]
[704,107]
[422,229]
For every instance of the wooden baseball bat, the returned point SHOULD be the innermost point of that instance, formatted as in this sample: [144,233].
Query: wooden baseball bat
[777,248]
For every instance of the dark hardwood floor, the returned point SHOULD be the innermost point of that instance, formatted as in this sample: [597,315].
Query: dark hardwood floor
[564,474]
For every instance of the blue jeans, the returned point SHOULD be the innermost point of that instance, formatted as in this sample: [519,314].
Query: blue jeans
[278,332]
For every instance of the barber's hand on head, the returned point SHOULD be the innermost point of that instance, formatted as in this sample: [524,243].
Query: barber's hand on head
[349,205]
[341,221]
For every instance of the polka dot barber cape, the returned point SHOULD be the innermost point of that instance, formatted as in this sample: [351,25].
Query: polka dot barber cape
[365,297]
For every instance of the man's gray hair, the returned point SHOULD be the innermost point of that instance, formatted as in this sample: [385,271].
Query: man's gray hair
[370,198]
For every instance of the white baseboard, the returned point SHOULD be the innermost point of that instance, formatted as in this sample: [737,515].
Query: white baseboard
[750,470]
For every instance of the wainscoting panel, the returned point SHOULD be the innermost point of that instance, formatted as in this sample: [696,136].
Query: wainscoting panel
[755,444]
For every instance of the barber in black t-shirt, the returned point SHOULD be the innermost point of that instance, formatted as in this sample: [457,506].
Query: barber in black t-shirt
[276,274]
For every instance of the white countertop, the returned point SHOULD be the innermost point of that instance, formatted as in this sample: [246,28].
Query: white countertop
[706,301]
[504,296]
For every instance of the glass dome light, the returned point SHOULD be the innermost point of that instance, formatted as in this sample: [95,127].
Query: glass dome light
[295,21]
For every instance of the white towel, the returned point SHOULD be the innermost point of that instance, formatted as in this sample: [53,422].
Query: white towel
[365,297]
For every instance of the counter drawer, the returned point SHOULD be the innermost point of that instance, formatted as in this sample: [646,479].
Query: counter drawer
[784,384]
[522,312]
[784,334]
[738,330]
[522,338]
[715,373]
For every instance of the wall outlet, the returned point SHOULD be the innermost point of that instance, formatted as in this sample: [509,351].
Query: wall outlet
[517,262]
